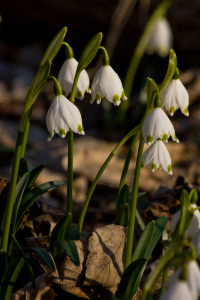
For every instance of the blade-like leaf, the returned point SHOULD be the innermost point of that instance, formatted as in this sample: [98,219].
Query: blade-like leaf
[122,215]
[20,188]
[34,173]
[54,46]
[71,250]
[123,195]
[44,255]
[34,194]
[130,280]
[10,277]
[60,232]
[23,167]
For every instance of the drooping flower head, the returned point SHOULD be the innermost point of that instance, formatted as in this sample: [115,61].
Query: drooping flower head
[157,157]
[175,96]
[67,73]
[161,39]
[178,290]
[107,84]
[63,116]
[158,126]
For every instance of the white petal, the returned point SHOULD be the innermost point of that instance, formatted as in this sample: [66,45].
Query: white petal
[182,97]
[176,291]
[66,78]
[161,39]
[164,158]
[193,278]
[107,83]
[71,115]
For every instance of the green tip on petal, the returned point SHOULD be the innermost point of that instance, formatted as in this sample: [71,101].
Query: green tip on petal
[88,89]
[79,128]
[123,96]
[49,137]
[172,110]
[115,98]
[149,139]
[62,133]
[165,137]
[98,97]
[153,167]
[169,169]
[175,138]
[186,112]
[79,94]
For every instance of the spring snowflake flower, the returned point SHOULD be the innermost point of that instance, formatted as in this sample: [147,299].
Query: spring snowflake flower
[63,116]
[158,126]
[66,78]
[157,156]
[161,39]
[177,290]
[192,278]
[175,96]
[107,83]
[194,228]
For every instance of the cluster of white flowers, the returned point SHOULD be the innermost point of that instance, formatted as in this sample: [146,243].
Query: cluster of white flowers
[63,115]
[157,128]
[193,230]
[184,288]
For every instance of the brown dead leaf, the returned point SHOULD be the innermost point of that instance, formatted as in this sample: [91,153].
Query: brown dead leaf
[104,265]
[42,291]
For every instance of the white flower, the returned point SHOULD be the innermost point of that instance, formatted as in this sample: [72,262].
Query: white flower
[107,83]
[175,96]
[193,229]
[194,225]
[157,157]
[192,280]
[66,78]
[158,126]
[177,290]
[161,39]
[63,116]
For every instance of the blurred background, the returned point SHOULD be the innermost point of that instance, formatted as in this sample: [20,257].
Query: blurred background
[26,29]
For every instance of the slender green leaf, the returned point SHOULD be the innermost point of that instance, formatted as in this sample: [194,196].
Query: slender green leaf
[34,173]
[20,188]
[71,250]
[54,46]
[28,265]
[23,167]
[60,232]
[3,262]
[89,51]
[34,194]
[10,277]
[149,238]
[124,195]
[130,280]
[46,257]
[122,215]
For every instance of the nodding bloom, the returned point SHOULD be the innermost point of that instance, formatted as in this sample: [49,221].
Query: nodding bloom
[161,39]
[192,280]
[66,79]
[107,83]
[158,126]
[193,229]
[177,290]
[63,116]
[157,156]
[175,96]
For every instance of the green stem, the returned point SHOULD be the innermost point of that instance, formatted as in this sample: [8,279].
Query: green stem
[26,131]
[11,193]
[162,264]
[127,162]
[133,206]
[70,173]
[89,195]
